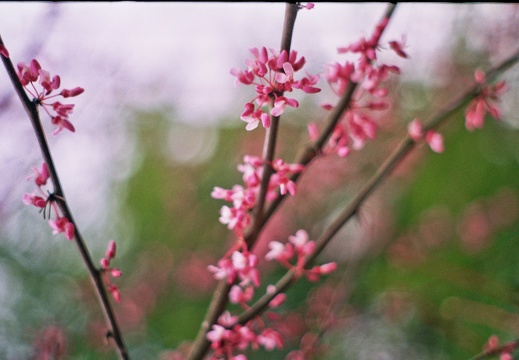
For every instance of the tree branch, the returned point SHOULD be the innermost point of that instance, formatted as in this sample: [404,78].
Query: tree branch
[95,275]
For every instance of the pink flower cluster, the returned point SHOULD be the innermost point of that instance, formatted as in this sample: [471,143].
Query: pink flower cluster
[107,270]
[356,127]
[59,113]
[228,337]
[41,199]
[484,103]
[243,198]
[240,269]
[273,75]
[299,247]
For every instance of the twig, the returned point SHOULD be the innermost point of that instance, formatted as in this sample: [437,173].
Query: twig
[95,275]
[220,296]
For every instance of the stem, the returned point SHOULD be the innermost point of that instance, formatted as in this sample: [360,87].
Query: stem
[95,275]
[269,147]
[220,296]
[405,146]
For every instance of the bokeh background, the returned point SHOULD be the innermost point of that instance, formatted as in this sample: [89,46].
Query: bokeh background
[428,270]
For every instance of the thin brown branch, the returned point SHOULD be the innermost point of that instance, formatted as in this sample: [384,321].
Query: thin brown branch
[95,275]
[220,297]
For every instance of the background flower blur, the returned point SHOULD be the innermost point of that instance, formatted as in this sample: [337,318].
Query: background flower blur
[428,269]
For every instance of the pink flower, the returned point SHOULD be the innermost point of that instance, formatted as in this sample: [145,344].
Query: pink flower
[237,295]
[224,270]
[62,225]
[62,123]
[33,199]
[278,300]
[313,132]
[280,177]
[415,130]
[270,339]
[484,102]
[72,92]
[435,141]
[272,75]
[280,105]
[29,75]
[303,246]
[308,6]
[116,294]
[217,333]
[111,250]
[277,252]
[398,47]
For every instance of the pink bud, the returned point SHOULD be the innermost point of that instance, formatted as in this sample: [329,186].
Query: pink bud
[110,251]
[278,300]
[479,75]
[73,92]
[435,141]
[313,131]
[116,272]
[415,129]
[328,268]
[115,293]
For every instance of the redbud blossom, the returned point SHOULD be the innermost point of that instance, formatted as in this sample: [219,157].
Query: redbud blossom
[313,132]
[272,75]
[110,251]
[278,300]
[300,245]
[415,130]
[484,102]
[270,339]
[398,47]
[33,199]
[435,141]
[73,92]
[29,74]
[63,225]
[116,294]
[40,176]
[308,6]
